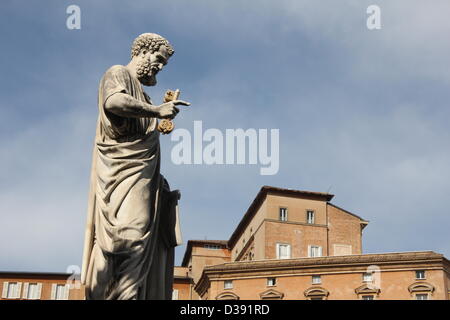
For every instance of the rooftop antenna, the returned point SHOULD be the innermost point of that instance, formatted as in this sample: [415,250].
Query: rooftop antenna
[328,191]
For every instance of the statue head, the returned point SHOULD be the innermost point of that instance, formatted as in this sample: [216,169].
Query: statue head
[150,53]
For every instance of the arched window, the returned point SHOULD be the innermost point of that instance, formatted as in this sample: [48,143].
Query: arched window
[227,296]
[316,293]
[421,290]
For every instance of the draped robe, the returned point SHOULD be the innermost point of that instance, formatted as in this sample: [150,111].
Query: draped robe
[132,226]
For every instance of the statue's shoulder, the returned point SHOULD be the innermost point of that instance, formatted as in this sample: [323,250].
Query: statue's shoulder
[116,70]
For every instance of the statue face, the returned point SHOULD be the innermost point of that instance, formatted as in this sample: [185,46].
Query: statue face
[150,64]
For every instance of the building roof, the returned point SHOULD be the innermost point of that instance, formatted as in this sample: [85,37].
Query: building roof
[191,243]
[363,221]
[254,206]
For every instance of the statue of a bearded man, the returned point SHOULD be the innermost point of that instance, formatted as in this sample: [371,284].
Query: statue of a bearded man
[132,225]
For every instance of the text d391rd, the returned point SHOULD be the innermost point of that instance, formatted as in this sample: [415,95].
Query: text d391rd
[234,309]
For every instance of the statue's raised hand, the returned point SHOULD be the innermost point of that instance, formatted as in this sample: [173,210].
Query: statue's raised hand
[169,110]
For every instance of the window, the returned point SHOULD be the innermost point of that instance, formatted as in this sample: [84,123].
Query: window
[60,292]
[283,251]
[315,251]
[310,216]
[175,294]
[283,214]
[367,297]
[271,282]
[421,296]
[316,279]
[420,274]
[316,298]
[228,284]
[32,291]
[11,290]
[367,277]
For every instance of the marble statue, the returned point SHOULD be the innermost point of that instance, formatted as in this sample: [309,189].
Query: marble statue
[132,225]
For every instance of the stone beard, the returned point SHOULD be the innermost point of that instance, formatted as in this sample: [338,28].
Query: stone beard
[132,214]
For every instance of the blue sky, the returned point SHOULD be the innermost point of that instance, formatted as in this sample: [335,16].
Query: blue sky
[363,114]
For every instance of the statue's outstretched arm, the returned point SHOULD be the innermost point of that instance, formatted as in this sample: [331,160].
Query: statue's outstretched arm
[124,105]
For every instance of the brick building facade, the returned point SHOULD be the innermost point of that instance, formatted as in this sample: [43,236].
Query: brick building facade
[297,245]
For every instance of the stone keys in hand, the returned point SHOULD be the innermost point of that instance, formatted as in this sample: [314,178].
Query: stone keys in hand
[166,126]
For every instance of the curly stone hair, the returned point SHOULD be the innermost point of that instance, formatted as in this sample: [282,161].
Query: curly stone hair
[151,42]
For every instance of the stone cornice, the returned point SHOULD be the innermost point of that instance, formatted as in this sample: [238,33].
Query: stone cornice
[334,262]
[363,259]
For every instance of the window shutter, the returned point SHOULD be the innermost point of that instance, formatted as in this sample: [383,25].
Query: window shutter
[53,294]
[25,290]
[288,251]
[5,290]
[320,251]
[19,289]
[39,290]
[175,294]
[66,292]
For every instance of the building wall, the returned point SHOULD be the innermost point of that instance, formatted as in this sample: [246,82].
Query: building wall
[252,229]
[297,208]
[46,281]
[265,229]
[341,286]
[181,271]
[202,257]
[297,235]
[446,276]
[184,289]
[344,230]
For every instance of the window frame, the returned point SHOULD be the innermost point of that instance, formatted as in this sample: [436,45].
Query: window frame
[278,246]
[316,276]
[57,289]
[313,216]
[426,295]
[37,291]
[418,272]
[310,247]
[367,274]
[17,290]
[283,216]
[228,284]
[271,279]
